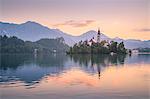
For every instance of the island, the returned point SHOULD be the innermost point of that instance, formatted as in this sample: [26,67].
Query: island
[98,47]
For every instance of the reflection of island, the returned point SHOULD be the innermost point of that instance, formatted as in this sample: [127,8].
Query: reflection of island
[103,60]
[98,61]
[31,69]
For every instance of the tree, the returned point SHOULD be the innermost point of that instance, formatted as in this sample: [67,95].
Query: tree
[113,47]
[121,48]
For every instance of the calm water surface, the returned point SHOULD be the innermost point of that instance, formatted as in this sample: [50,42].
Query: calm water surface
[58,76]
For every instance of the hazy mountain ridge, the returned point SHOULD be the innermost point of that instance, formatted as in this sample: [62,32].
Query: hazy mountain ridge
[32,31]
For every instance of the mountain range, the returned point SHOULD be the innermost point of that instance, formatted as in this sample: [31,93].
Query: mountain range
[32,31]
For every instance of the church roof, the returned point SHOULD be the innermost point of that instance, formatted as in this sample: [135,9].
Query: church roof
[92,40]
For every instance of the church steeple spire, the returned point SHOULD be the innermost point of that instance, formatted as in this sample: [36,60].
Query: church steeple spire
[98,36]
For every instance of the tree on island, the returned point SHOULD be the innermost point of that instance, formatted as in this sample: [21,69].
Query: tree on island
[102,47]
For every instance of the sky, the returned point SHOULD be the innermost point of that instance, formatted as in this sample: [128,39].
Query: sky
[128,19]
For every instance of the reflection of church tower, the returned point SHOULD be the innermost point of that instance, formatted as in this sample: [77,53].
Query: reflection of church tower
[99,71]
[98,36]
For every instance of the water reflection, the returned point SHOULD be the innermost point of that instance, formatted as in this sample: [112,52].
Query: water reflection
[13,61]
[60,76]
[31,69]
[98,61]
[103,60]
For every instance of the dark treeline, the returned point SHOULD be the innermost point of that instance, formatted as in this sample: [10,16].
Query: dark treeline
[98,48]
[143,49]
[16,45]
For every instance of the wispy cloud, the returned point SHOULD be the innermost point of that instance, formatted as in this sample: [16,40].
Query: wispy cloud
[75,23]
[143,30]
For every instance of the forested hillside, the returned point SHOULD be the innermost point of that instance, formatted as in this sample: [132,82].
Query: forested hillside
[16,45]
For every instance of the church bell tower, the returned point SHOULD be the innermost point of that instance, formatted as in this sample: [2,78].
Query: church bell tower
[98,36]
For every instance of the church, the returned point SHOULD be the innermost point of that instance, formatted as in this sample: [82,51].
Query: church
[93,39]
[99,40]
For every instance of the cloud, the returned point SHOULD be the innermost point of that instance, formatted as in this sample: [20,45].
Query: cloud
[75,23]
[143,30]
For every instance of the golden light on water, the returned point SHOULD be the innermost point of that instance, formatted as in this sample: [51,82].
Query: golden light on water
[129,78]
[122,80]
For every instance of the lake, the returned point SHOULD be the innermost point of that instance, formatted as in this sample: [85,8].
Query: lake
[60,76]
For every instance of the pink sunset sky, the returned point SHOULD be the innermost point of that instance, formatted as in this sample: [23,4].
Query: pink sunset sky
[128,19]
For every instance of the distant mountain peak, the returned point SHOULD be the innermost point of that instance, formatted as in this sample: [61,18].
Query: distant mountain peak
[117,38]
[31,22]
[91,31]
